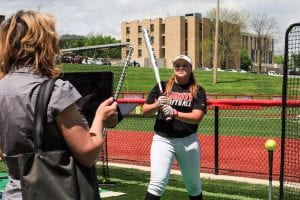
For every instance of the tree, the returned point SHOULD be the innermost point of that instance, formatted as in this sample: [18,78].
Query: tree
[231,25]
[245,60]
[207,46]
[264,27]
[295,61]
[278,59]
[92,40]
[71,41]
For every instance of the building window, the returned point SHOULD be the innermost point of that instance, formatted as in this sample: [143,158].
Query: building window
[127,40]
[139,40]
[270,57]
[163,41]
[140,53]
[151,27]
[152,40]
[139,29]
[186,30]
[128,30]
[252,55]
[163,28]
[186,47]
[256,54]
[163,53]
[186,38]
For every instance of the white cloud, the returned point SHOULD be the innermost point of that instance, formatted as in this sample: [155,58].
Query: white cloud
[105,16]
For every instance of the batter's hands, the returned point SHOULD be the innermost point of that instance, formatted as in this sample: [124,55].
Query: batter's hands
[169,112]
[162,100]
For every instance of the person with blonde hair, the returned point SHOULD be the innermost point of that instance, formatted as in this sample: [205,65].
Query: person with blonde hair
[179,112]
[29,45]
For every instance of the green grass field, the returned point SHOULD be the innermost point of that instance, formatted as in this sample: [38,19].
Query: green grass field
[141,79]
[134,183]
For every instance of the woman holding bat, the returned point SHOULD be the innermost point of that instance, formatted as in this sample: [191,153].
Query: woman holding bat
[180,110]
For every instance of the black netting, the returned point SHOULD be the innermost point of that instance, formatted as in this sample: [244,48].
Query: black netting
[290,160]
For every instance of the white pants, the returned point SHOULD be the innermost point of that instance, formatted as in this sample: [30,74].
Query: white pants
[187,153]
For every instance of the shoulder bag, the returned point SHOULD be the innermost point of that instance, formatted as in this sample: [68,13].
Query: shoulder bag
[53,175]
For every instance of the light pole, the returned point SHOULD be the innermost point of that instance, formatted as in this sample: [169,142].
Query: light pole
[215,61]
[202,63]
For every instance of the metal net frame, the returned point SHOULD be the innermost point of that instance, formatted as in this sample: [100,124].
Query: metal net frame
[113,58]
[290,145]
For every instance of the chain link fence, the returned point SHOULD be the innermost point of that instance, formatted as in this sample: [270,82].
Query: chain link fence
[232,137]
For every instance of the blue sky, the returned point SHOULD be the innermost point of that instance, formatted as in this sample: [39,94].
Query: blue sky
[83,17]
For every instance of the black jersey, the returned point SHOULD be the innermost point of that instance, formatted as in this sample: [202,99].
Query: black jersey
[183,101]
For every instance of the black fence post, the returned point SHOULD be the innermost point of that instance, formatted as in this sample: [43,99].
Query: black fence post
[216,140]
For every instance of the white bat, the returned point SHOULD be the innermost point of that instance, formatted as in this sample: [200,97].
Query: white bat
[153,59]
[154,62]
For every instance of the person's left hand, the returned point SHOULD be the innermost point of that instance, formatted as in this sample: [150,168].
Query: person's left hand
[169,112]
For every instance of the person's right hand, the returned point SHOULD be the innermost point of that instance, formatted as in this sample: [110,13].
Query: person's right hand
[108,113]
[162,100]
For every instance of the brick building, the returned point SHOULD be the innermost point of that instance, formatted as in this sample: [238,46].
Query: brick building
[191,35]
[250,42]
